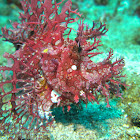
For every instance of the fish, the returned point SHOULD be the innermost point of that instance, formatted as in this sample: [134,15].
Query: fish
[48,69]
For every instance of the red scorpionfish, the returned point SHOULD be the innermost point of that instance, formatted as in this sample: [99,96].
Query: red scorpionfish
[49,69]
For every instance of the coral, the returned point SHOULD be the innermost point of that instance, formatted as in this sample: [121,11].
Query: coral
[49,69]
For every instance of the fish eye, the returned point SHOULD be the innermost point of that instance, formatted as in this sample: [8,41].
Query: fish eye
[74,67]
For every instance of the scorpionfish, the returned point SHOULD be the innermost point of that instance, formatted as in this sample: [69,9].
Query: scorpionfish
[48,69]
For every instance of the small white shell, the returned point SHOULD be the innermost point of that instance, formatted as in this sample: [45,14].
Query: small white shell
[54,96]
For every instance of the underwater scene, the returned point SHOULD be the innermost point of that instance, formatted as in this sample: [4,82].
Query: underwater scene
[69,70]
